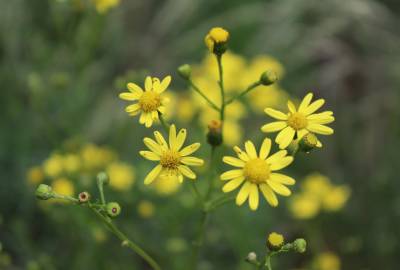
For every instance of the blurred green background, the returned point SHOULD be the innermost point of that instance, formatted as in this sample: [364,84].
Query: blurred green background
[63,64]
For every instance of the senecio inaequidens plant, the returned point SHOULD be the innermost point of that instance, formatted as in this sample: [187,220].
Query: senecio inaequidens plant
[253,170]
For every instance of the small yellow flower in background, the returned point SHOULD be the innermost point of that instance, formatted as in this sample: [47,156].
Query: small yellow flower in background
[145,209]
[150,101]
[316,185]
[173,161]
[166,186]
[122,176]
[35,175]
[275,240]
[95,157]
[299,121]
[71,163]
[257,172]
[102,6]
[215,36]
[336,198]
[53,166]
[303,206]
[326,261]
[63,186]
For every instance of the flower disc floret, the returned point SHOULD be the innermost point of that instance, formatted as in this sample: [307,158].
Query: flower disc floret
[256,171]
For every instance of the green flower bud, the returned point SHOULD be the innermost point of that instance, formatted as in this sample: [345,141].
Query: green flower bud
[300,245]
[251,257]
[44,192]
[84,197]
[102,177]
[268,77]
[113,209]
[214,135]
[308,142]
[185,71]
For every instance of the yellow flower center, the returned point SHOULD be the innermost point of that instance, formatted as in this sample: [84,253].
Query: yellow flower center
[149,101]
[297,121]
[256,170]
[170,159]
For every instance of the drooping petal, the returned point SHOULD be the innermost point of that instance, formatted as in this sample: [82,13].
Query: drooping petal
[231,174]
[314,106]
[180,139]
[233,184]
[305,102]
[186,171]
[149,155]
[253,197]
[192,161]
[274,126]
[190,149]
[282,163]
[276,114]
[276,157]
[320,129]
[152,175]
[134,88]
[233,161]
[269,195]
[153,146]
[281,178]
[265,148]
[250,149]
[279,188]
[148,83]
[243,193]
[241,154]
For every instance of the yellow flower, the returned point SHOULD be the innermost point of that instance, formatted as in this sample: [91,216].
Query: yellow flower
[173,161]
[63,186]
[102,6]
[299,121]
[95,157]
[257,172]
[316,185]
[336,198]
[53,166]
[35,175]
[216,35]
[149,102]
[327,261]
[275,240]
[71,163]
[166,186]
[145,209]
[122,176]
[304,206]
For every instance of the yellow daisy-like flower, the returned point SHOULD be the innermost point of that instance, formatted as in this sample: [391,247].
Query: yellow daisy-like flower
[257,172]
[149,102]
[300,121]
[173,161]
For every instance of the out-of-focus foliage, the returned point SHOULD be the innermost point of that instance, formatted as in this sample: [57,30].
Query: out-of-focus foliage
[63,64]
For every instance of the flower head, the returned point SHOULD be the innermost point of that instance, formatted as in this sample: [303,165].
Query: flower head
[257,172]
[275,241]
[173,161]
[298,122]
[149,102]
[216,37]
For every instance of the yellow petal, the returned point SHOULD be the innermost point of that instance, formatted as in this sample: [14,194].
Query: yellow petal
[279,188]
[189,149]
[142,118]
[172,136]
[250,149]
[192,161]
[314,106]
[180,139]
[291,107]
[281,178]
[160,140]
[134,88]
[274,126]
[320,118]
[152,175]
[233,184]
[154,115]
[269,195]
[265,148]
[233,161]
[276,157]
[148,83]
[301,133]
[162,109]
[241,154]
[305,102]
[164,84]
[320,129]
[286,136]
[149,155]
[149,120]
[132,108]
[128,96]
[186,171]
[231,174]
[253,197]
[153,146]
[243,193]
[276,114]
[280,164]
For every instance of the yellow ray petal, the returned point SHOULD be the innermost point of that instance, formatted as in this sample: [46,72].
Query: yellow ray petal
[250,150]
[313,106]
[142,118]
[128,96]
[149,120]
[279,188]
[233,184]
[233,161]
[152,175]
[274,126]
[305,102]
[231,174]
[153,146]
[241,154]
[160,139]
[149,155]
[269,195]
[276,114]
[280,164]
[253,197]
[172,136]
[180,139]
[243,193]
[134,88]
[132,108]
[192,161]
[164,84]
[281,178]
[148,83]
[265,148]
[186,171]
[276,157]
[286,137]
[291,107]
[189,149]
[320,129]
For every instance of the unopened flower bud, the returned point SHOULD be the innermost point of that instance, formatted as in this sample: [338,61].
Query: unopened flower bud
[251,257]
[102,177]
[275,241]
[216,40]
[113,209]
[300,245]
[308,142]
[84,197]
[214,135]
[268,77]
[44,192]
[185,71]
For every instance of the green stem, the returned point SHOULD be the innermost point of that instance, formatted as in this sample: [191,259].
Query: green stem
[65,197]
[268,262]
[126,241]
[221,87]
[196,89]
[163,122]
[101,191]
[248,89]
[214,204]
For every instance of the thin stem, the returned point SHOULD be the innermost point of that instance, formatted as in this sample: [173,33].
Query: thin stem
[268,262]
[221,86]
[101,191]
[65,197]
[163,122]
[197,89]
[214,204]
[126,241]
[248,89]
